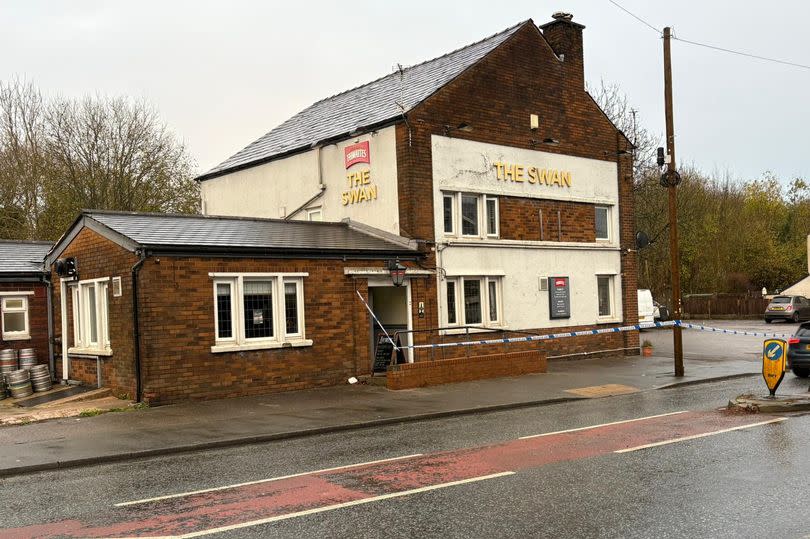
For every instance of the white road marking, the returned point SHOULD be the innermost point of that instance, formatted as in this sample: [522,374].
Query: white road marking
[269,520]
[236,485]
[602,425]
[703,435]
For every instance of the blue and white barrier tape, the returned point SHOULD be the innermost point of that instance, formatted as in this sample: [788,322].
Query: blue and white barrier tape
[731,331]
[646,325]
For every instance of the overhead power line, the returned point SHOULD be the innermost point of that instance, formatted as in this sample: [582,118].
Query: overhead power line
[740,53]
[713,47]
[639,19]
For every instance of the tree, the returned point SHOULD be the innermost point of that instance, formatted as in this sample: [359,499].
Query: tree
[61,155]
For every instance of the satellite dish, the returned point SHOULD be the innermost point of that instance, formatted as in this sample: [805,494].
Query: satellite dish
[642,240]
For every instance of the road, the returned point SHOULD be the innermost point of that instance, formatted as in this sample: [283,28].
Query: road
[707,345]
[650,464]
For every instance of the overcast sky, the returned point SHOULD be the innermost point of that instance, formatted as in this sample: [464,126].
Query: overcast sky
[224,73]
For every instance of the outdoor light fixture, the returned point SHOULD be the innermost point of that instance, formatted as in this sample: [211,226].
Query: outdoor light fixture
[397,271]
[463,126]
[551,141]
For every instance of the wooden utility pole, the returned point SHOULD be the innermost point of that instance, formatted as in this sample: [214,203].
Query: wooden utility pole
[672,182]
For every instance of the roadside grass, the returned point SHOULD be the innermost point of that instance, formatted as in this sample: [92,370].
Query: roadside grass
[92,412]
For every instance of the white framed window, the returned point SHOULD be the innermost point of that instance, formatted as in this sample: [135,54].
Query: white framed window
[91,328]
[473,301]
[448,213]
[470,215]
[14,311]
[602,222]
[491,205]
[604,294]
[253,311]
[314,214]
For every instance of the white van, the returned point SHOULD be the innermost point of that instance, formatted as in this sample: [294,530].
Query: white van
[646,307]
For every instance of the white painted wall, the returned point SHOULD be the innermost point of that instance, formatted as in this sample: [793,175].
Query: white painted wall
[466,166]
[277,188]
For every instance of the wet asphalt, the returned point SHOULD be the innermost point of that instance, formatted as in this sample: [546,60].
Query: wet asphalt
[748,483]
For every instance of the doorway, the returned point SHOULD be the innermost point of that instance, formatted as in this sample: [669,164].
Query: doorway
[391,305]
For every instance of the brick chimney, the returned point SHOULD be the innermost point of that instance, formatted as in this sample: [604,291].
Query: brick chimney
[565,37]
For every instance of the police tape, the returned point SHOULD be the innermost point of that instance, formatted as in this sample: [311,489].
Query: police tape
[687,325]
[620,329]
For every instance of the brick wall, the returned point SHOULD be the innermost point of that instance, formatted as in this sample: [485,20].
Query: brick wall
[496,96]
[561,221]
[98,257]
[37,319]
[446,371]
[178,330]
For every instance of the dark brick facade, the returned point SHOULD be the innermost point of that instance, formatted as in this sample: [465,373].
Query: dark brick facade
[97,257]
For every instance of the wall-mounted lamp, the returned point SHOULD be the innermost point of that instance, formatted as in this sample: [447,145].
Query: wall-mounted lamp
[463,126]
[397,272]
[618,152]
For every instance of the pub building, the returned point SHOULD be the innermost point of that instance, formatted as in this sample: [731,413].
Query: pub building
[488,173]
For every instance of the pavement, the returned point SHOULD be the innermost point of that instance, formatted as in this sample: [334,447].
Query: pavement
[78,441]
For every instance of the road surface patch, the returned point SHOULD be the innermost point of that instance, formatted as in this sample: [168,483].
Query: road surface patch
[231,507]
[607,390]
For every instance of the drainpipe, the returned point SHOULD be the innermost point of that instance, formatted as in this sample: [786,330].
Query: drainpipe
[49,299]
[136,326]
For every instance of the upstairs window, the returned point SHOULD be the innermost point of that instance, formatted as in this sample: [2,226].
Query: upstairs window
[470,215]
[602,222]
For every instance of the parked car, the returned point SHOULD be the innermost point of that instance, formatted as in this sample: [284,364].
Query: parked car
[791,308]
[798,357]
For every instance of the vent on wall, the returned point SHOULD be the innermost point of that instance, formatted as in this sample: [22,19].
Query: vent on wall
[543,283]
[116,287]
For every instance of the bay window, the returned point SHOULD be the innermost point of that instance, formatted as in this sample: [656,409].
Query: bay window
[253,311]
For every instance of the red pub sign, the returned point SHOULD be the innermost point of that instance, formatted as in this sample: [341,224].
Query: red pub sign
[357,153]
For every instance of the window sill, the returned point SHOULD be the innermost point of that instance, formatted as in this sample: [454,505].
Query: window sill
[89,352]
[220,348]
[463,331]
[16,337]
[608,320]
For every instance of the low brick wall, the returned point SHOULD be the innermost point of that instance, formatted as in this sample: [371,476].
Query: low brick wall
[447,371]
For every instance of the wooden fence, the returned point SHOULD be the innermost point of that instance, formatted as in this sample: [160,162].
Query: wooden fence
[724,306]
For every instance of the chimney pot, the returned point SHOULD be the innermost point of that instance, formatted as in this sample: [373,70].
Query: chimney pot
[562,16]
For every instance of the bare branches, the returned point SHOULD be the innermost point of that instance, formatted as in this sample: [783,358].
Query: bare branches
[61,155]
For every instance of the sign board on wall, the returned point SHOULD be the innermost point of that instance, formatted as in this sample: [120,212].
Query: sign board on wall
[559,297]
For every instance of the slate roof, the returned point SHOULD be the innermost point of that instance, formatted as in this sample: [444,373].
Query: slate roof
[211,233]
[375,103]
[23,257]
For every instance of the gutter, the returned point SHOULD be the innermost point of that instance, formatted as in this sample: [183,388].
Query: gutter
[136,326]
[49,299]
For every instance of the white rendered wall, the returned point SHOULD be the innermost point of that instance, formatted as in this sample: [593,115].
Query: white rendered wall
[465,166]
[277,188]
